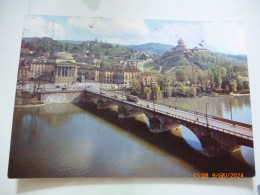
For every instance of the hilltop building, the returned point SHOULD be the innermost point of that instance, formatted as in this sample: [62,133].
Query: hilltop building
[182,49]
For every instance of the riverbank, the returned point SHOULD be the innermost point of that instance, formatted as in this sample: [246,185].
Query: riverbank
[208,95]
[28,99]
[29,105]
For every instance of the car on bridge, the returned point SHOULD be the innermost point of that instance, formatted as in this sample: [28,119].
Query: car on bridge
[132,98]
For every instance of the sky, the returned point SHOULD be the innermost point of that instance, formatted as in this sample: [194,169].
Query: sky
[224,37]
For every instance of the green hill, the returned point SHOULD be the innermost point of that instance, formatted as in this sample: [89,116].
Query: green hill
[199,60]
[98,48]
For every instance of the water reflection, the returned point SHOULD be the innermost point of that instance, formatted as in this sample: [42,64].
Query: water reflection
[248,155]
[78,141]
[218,106]
[191,138]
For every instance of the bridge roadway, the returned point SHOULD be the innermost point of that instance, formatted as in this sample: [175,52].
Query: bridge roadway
[216,123]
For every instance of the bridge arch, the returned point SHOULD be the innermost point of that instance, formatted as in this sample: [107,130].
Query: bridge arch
[191,138]
[213,143]
[155,124]
[122,112]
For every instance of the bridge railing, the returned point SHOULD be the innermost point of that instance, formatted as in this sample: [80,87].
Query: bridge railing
[208,115]
[183,109]
[193,121]
[176,116]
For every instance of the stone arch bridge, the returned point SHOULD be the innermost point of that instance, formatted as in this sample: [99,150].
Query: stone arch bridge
[217,135]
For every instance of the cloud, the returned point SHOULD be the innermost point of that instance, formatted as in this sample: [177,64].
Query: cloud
[39,27]
[171,33]
[129,30]
[227,37]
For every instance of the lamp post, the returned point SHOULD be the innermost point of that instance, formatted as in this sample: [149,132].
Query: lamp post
[152,84]
[100,81]
[118,88]
[85,82]
[123,92]
[100,87]
[207,114]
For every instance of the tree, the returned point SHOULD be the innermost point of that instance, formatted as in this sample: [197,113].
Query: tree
[60,46]
[105,64]
[215,77]
[192,92]
[156,92]
[233,87]
[147,93]
[182,89]
[218,78]
[240,85]
[136,88]
[223,71]
[164,83]
[194,77]
[212,79]
[181,75]
[37,83]
[230,72]
[225,85]
[202,77]
[69,47]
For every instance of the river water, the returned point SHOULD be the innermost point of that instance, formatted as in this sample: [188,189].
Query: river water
[76,140]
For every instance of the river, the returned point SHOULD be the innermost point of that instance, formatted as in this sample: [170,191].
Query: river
[76,140]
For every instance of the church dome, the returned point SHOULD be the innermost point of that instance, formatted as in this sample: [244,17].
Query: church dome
[180,42]
[62,55]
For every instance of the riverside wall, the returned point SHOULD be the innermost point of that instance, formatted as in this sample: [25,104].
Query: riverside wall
[63,97]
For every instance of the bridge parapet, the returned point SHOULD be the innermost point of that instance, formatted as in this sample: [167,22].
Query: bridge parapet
[215,140]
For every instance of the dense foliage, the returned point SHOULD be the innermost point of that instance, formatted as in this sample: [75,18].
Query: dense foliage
[146,92]
[98,48]
[200,60]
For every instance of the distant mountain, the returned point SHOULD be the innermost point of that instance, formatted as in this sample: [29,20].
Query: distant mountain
[150,48]
[30,38]
[240,59]
[64,41]
[74,42]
